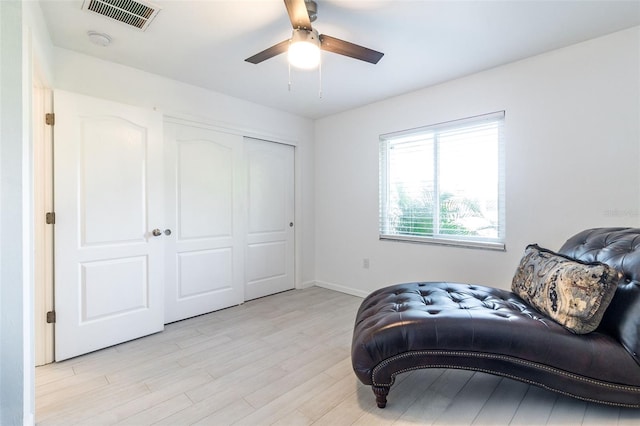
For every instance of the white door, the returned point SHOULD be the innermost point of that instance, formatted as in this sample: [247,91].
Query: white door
[204,252]
[270,224]
[108,195]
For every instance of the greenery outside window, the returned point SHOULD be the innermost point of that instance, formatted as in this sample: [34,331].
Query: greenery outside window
[444,183]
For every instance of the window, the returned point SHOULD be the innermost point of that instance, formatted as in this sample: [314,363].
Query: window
[444,183]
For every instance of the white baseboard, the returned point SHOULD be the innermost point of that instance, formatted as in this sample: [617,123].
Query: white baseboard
[306,284]
[342,289]
[29,419]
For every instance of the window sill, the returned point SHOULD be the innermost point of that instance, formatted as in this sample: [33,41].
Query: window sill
[483,245]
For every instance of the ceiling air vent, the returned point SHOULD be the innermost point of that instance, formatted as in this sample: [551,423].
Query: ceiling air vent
[135,13]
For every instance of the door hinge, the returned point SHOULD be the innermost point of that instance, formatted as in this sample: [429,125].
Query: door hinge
[51,317]
[50,218]
[50,118]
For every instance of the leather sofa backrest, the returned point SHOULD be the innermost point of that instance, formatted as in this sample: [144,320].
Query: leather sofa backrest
[620,248]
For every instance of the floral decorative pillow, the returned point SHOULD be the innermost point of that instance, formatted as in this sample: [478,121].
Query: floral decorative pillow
[572,293]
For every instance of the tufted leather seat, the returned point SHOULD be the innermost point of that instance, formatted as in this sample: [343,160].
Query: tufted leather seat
[452,325]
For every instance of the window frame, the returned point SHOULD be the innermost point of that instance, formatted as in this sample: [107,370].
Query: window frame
[490,243]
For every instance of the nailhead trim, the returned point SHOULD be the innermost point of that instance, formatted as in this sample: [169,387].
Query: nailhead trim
[502,358]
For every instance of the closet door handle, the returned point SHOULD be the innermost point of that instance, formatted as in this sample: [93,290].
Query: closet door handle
[156,232]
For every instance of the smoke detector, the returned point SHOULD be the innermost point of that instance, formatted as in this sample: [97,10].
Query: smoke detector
[138,14]
[101,39]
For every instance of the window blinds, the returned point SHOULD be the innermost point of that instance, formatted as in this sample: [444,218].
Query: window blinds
[444,183]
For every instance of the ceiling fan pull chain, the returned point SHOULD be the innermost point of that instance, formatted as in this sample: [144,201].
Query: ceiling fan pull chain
[320,78]
[289,77]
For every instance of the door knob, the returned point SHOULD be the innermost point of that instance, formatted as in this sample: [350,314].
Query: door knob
[156,232]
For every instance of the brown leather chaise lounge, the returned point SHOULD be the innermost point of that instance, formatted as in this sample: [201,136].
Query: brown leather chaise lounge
[448,325]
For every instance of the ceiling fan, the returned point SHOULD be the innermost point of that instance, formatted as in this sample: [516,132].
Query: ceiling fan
[301,14]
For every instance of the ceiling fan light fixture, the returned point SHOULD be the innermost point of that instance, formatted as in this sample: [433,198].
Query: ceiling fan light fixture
[304,49]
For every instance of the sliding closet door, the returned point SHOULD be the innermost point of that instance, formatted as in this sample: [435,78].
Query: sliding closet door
[204,208]
[270,218]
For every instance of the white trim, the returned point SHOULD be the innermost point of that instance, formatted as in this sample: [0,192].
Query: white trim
[342,289]
[488,245]
[190,120]
[491,116]
[306,284]
[43,233]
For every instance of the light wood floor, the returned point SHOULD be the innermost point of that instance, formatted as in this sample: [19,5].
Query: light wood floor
[283,360]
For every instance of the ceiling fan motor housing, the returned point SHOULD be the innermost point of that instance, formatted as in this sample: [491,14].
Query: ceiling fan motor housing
[302,35]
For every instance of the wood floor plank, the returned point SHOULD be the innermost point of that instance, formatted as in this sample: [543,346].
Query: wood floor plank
[242,387]
[350,410]
[629,416]
[216,406]
[114,363]
[341,369]
[286,401]
[80,410]
[502,404]
[290,380]
[133,406]
[328,398]
[601,415]
[535,407]
[45,375]
[470,400]
[436,399]
[69,389]
[158,412]
[119,409]
[294,418]
[567,411]
[230,414]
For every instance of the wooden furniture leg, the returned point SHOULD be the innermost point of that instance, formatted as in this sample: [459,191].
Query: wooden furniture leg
[381,393]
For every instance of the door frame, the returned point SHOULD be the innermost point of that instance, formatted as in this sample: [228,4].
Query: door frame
[42,103]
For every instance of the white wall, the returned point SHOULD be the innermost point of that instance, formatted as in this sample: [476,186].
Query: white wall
[11,210]
[84,74]
[572,154]
[23,42]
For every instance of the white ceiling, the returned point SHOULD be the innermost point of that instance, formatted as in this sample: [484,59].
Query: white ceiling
[205,42]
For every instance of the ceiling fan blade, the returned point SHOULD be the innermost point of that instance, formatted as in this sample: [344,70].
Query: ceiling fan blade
[269,53]
[298,14]
[341,47]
